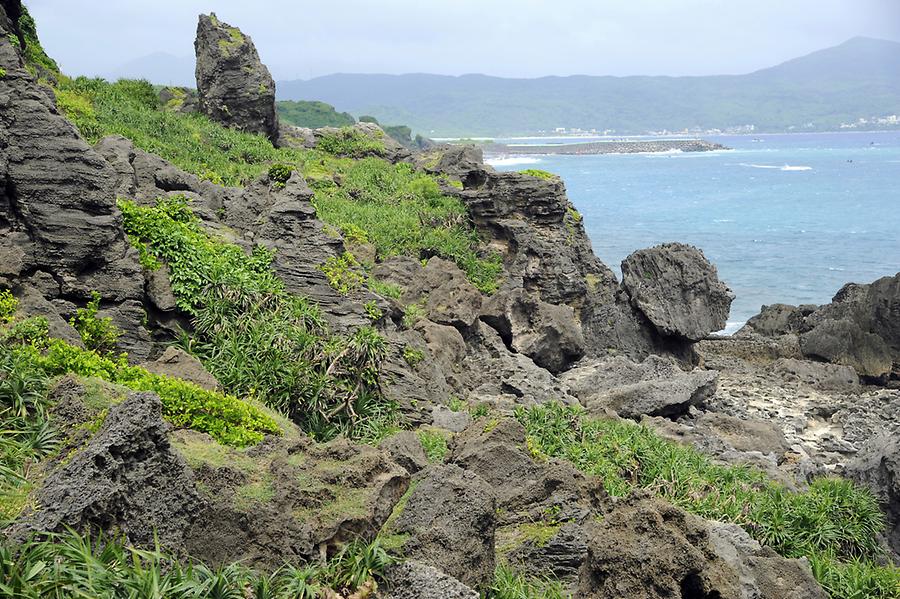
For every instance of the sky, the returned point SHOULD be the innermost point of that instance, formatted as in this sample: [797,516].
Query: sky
[301,39]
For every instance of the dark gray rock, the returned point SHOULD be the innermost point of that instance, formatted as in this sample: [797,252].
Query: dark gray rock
[179,99]
[845,342]
[655,387]
[60,231]
[678,290]
[548,334]
[448,296]
[450,520]
[126,478]
[777,319]
[406,450]
[414,580]
[234,86]
[877,466]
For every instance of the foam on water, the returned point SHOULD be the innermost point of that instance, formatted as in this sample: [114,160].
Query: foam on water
[786,167]
[512,160]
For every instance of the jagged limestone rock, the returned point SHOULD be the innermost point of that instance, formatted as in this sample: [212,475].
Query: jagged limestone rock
[233,85]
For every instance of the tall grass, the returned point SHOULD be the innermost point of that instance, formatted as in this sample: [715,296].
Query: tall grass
[68,565]
[834,523]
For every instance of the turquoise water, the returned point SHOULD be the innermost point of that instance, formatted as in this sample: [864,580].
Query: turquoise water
[785,218]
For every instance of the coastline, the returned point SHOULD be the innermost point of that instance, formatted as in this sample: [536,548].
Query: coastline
[606,147]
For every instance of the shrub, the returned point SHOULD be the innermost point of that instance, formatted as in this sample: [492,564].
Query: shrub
[413,356]
[98,334]
[279,174]
[8,306]
[343,273]
[348,141]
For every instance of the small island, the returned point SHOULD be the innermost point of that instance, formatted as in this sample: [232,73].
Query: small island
[629,146]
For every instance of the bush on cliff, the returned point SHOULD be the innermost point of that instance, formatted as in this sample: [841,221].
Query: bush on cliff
[257,339]
[834,523]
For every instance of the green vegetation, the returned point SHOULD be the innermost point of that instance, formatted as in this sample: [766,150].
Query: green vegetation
[36,59]
[279,175]
[69,565]
[834,523]
[97,334]
[413,356]
[350,142]
[399,210]
[534,172]
[434,442]
[510,584]
[344,273]
[312,114]
[255,338]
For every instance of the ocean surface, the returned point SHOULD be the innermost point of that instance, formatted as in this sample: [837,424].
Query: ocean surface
[785,218]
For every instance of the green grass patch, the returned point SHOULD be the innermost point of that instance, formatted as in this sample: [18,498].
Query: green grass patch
[535,172]
[834,521]
[351,143]
[508,583]
[434,443]
[258,340]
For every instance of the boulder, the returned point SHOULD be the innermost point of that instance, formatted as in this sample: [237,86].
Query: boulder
[126,478]
[777,319]
[234,87]
[406,450]
[844,342]
[877,466]
[550,335]
[448,296]
[448,523]
[678,289]
[179,364]
[415,580]
[654,387]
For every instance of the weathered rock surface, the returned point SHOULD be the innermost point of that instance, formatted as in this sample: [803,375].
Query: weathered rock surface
[817,374]
[548,334]
[655,387]
[448,296]
[450,508]
[127,477]
[859,328]
[678,290]
[60,231]
[877,466]
[406,450]
[233,85]
[415,580]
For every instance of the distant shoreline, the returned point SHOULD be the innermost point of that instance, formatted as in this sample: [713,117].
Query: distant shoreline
[606,147]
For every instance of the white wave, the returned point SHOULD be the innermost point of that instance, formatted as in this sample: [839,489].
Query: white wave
[512,160]
[732,327]
[786,167]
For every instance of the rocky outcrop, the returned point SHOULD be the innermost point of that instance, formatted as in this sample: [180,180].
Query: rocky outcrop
[414,580]
[450,508]
[234,87]
[548,334]
[655,387]
[61,235]
[877,466]
[446,294]
[127,478]
[858,329]
[678,290]
[177,363]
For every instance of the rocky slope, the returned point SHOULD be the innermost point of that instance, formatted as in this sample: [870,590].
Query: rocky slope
[510,372]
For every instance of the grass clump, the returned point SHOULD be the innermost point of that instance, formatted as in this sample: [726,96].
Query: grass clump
[259,340]
[536,172]
[413,356]
[834,521]
[71,565]
[343,273]
[511,584]
[350,142]
[434,443]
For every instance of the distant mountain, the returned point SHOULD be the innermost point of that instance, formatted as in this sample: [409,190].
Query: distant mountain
[857,79]
[160,67]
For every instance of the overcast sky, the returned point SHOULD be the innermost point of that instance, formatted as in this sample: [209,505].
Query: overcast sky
[513,38]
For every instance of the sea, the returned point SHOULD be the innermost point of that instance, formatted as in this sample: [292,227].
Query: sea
[785,218]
